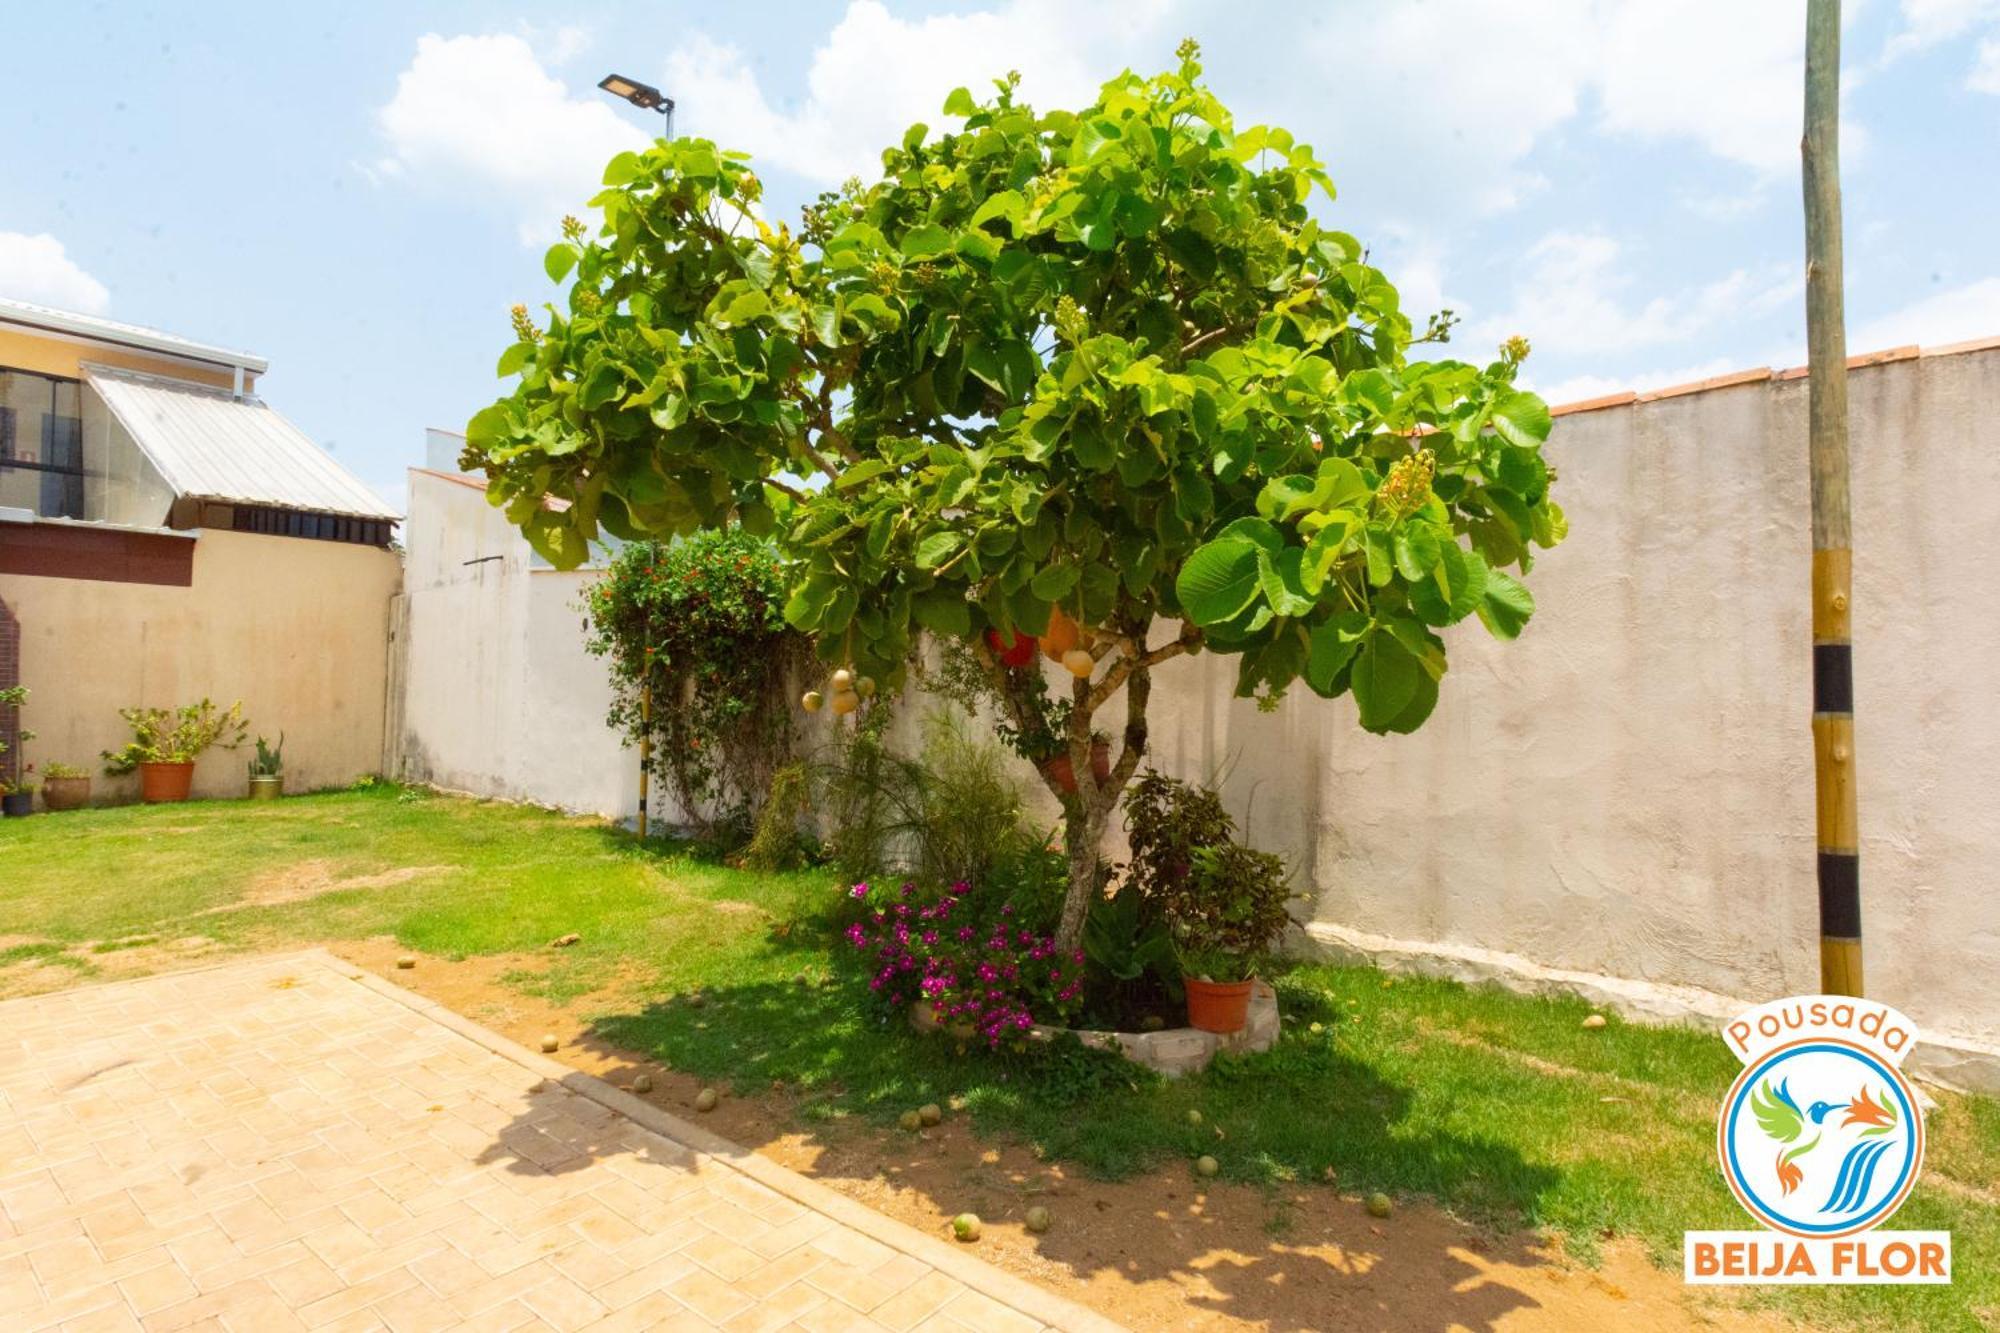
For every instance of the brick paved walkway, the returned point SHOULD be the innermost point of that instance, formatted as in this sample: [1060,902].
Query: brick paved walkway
[279,1143]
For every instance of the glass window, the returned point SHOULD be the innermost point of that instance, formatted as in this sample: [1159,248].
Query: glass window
[41,444]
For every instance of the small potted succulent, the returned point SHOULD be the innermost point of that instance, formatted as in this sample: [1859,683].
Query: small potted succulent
[165,742]
[65,786]
[267,770]
[17,798]
[1224,903]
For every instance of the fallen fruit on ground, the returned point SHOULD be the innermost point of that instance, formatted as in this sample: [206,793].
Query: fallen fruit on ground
[706,1099]
[1379,1205]
[549,1042]
[1206,1165]
[564,941]
[1594,1021]
[406,962]
[643,1084]
[911,1121]
[1038,1219]
[965,1227]
[1193,1116]
[929,1113]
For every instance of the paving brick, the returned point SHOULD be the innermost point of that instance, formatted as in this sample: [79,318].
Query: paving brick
[210,1150]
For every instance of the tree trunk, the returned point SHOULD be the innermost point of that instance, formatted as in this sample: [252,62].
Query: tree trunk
[1087,811]
[1838,820]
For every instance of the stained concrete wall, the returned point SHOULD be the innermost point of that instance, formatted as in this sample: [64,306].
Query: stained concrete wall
[498,696]
[296,629]
[1627,789]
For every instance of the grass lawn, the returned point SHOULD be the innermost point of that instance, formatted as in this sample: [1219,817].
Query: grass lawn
[1502,1108]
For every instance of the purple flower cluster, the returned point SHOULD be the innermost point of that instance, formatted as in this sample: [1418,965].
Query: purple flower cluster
[996,978]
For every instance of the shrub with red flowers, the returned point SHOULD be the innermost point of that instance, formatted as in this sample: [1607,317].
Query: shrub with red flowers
[989,975]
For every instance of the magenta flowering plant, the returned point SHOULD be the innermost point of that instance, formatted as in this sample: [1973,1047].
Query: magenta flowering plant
[990,975]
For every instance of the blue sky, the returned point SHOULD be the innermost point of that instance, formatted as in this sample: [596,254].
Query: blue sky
[359,192]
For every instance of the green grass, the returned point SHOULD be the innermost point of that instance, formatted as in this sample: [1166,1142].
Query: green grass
[1502,1108]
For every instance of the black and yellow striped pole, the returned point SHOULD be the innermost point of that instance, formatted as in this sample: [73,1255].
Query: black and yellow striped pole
[1838,820]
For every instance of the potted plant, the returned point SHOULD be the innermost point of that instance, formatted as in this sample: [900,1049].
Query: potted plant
[65,786]
[1224,903]
[267,770]
[165,742]
[1231,911]
[1044,742]
[17,798]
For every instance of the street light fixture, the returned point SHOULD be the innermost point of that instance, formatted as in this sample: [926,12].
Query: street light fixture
[642,95]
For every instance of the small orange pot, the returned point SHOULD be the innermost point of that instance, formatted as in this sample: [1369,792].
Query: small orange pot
[1218,1006]
[161,783]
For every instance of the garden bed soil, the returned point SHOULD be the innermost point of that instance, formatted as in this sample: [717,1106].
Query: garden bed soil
[1155,1251]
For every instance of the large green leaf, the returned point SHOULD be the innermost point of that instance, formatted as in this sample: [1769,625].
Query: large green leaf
[1522,418]
[1384,678]
[1218,580]
[1506,605]
[925,242]
[937,548]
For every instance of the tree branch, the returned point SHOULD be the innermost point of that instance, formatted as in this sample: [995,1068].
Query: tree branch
[1201,342]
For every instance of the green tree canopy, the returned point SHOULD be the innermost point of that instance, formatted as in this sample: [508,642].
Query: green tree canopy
[1104,360]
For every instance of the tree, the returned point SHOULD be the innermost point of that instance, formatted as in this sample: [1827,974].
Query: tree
[1103,361]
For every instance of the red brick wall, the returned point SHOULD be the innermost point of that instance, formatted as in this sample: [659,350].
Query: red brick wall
[10,676]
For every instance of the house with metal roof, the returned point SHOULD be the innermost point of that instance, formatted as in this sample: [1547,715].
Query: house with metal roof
[166,536]
[107,422]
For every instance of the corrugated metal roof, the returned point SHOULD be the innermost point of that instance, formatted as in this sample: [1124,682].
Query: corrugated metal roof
[209,445]
[100,329]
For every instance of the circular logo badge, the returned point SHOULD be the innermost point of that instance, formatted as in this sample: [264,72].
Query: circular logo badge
[1821,1138]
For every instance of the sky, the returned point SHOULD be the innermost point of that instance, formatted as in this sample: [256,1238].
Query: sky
[359,192]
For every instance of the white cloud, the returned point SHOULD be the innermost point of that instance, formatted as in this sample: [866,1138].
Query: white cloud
[1928,22]
[36,268]
[483,112]
[1725,74]
[1985,76]
[1574,299]
[1957,314]
[874,75]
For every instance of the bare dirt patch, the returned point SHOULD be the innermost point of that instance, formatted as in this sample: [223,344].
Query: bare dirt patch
[1154,1252]
[309,879]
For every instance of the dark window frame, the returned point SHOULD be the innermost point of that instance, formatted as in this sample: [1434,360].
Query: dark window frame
[310,525]
[73,498]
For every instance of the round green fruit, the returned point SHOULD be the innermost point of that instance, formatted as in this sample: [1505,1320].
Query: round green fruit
[1206,1165]
[965,1227]
[929,1113]
[1193,1116]
[1038,1219]
[706,1099]
[1379,1205]
[911,1121]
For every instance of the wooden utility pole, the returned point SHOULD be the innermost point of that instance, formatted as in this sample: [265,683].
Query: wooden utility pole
[1833,555]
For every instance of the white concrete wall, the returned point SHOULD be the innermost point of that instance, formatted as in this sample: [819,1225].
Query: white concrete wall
[499,696]
[1627,789]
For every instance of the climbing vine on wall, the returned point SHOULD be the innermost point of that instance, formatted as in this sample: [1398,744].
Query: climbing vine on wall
[702,618]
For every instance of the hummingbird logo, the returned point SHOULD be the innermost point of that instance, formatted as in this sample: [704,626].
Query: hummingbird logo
[1778,1115]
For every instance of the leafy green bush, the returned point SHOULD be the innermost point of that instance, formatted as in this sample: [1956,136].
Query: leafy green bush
[1223,903]
[701,621]
[176,735]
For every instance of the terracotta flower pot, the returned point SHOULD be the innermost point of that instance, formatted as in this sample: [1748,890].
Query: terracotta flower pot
[1218,1006]
[160,783]
[65,793]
